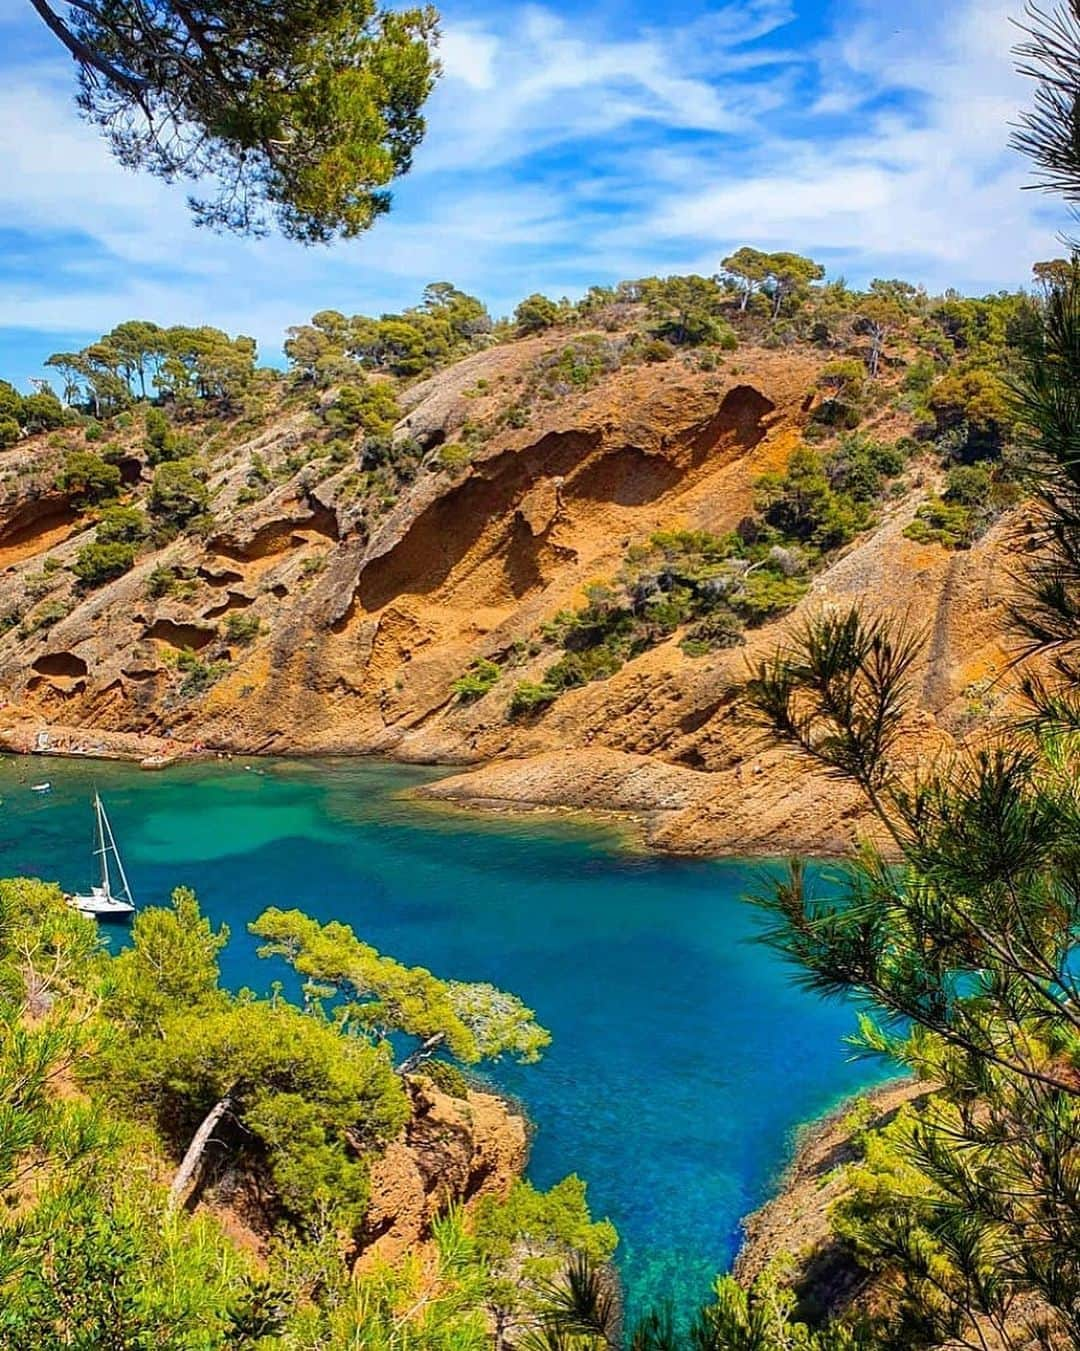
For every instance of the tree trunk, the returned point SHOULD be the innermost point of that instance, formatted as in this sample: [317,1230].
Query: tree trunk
[422,1053]
[191,1166]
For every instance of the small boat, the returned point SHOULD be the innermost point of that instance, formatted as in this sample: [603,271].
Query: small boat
[101,902]
[41,788]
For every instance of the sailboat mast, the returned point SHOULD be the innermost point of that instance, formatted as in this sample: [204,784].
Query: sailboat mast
[107,830]
[102,852]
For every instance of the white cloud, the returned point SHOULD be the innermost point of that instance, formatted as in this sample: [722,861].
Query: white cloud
[562,153]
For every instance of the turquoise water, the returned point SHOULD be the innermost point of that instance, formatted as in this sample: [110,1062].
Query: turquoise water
[683,1056]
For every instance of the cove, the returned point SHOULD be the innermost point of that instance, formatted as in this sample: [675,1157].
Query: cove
[683,1055]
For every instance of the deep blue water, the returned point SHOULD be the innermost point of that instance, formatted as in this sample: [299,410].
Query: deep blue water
[683,1056]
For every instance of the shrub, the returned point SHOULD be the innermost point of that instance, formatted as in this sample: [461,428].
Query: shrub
[41,412]
[371,408]
[50,613]
[949,524]
[765,595]
[87,478]
[93,431]
[177,494]
[656,350]
[163,443]
[9,432]
[970,485]
[454,455]
[535,313]
[98,563]
[843,385]
[530,697]
[161,582]
[122,525]
[481,676]
[199,675]
[719,630]
[446,1077]
[242,628]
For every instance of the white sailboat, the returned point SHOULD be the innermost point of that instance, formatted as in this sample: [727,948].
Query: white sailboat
[101,902]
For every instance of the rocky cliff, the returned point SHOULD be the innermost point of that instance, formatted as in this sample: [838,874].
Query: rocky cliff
[359,615]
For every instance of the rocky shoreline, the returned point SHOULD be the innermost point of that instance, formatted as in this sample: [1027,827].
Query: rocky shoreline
[795,1220]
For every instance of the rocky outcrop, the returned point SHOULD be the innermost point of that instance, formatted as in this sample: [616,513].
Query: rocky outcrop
[451,1151]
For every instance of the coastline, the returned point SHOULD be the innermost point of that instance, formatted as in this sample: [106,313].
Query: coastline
[622,801]
[794,1221]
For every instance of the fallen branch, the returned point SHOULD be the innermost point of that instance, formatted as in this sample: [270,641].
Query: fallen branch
[191,1165]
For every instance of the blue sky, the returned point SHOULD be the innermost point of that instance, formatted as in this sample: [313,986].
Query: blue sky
[568,144]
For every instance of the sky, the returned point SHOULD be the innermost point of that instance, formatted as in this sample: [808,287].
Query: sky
[569,143]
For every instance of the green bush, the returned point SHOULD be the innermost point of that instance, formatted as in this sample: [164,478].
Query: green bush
[99,563]
[163,442]
[161,582]
[122,525]
[87,478]
[9,432]
[950,524]
[41,412]
[177,494]
[481,676]
[446,1077]
[716,631]
[242,627]
[371,408]
[530,697]
[765,595]
[969,485]
[199,675]
[535,313]
[454,455]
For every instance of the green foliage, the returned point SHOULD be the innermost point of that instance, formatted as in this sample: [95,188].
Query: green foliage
[803,505]
[974,401]
[162,441]
[481,676]
[41,412]
[199,675]
[333,347]
[454,456]
[536,313]
[122,525]
[9,432]
[975,495]
[172,964]
[689,311]
[161,582]
[843,386]
[242,627]
[87,478]
[98,563]
[303,116]
[177,494]
[530,697]
[471,1022]
[371,408]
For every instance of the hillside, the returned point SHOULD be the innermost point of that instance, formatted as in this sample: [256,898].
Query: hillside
[310,603]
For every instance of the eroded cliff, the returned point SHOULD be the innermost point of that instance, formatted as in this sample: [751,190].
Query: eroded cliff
[308,618]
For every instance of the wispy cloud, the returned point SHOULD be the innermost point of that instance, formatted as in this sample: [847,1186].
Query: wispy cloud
[569,146]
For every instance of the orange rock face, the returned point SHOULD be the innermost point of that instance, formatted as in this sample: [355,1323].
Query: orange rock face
[452,1150]
[332,627]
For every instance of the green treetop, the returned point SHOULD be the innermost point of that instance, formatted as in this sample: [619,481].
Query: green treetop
[300,112]
[471,1021]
